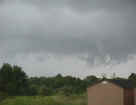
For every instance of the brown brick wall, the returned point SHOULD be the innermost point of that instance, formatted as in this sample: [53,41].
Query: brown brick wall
[105,94]
[129,97]
[135,96]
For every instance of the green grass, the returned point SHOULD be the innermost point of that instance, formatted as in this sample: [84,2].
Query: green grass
[46,100]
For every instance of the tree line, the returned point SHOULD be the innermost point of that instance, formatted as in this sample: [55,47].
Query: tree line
[15,82]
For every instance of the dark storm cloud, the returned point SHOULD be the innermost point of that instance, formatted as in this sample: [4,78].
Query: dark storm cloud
[94,28]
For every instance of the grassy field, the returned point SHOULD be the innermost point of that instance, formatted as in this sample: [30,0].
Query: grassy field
[46,100]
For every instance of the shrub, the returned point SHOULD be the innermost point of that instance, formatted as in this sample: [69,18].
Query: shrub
[3,96]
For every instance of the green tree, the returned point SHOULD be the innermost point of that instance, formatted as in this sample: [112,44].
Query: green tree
[12,80]
[132,78]
[5,77]
[45,91]
[90,80]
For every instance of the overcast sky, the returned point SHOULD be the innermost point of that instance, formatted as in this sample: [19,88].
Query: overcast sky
[71,37]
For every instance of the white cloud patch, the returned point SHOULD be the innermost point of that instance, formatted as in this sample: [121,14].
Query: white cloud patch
[50,65]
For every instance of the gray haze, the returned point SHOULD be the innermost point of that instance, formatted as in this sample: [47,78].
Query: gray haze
[94,32]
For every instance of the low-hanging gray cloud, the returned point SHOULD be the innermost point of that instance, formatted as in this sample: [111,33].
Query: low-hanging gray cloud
[96,28]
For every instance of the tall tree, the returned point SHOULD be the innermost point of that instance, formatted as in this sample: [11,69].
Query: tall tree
[132,78]
[13,80]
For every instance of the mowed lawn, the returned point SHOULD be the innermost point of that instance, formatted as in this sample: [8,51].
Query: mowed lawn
[46,100]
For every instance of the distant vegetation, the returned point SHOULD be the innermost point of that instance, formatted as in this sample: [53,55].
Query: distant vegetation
[15,82]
